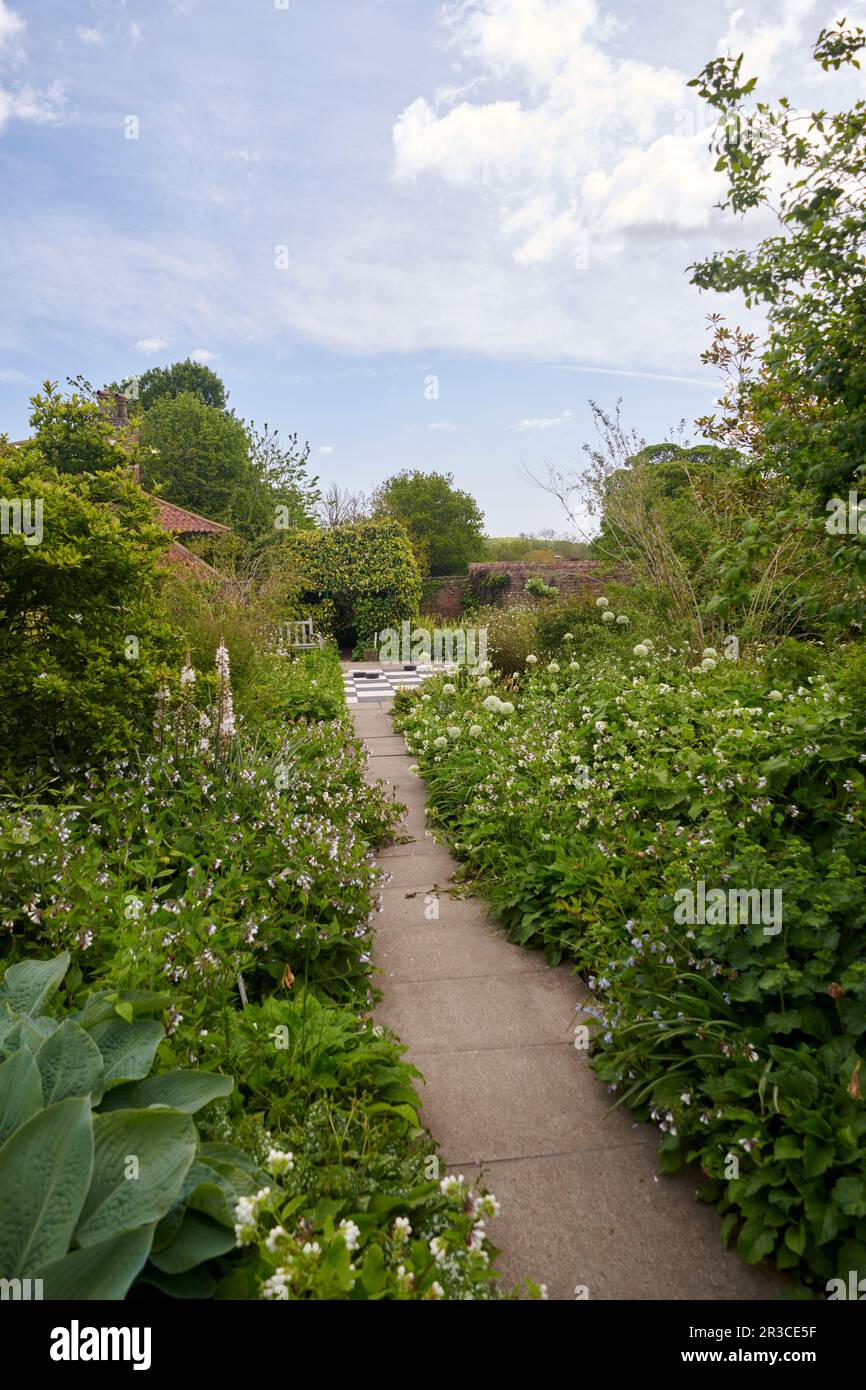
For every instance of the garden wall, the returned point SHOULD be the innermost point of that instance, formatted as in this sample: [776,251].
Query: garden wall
[570,577]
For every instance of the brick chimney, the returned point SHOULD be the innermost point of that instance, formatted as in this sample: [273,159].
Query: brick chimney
[121,413]
[104,402]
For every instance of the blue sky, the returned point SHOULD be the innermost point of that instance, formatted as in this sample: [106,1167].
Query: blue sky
[332,201]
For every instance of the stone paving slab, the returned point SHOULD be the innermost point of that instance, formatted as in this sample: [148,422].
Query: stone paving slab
[603,1219]
[508,1096]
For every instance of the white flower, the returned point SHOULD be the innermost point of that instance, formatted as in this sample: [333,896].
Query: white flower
[438,1250]
[607,616]
[440,742]
[623,620]
[476,731]
[492,702]
[641,649]
[453,731]
[273,1239]
[568,637]
[436,1290]
[402,1228]
[574,665]
[600,725]
[506,707]
[553,667]
[776,695]
[708,664]
[449,690]
[602,603]
[312,1248]
[531,660]
[483,682]
[709,651]
[452,1186]
[278,1162]
[187,675]
[350,1233]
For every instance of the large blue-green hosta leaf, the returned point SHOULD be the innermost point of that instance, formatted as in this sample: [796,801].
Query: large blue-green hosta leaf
[103,1271]
[128,1049]
[187,1091]
[70,1064]
[140,1161]
[20,1091]
[45,1172]
[27,986]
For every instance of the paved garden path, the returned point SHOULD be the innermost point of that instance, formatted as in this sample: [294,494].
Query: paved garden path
[490,1026]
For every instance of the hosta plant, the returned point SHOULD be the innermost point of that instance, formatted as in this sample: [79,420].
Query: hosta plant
[103,1180]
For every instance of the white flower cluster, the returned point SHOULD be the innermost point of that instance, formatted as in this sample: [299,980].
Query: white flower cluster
[278,1162]
[246,1216]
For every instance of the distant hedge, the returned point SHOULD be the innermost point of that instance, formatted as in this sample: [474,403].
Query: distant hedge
[358,579]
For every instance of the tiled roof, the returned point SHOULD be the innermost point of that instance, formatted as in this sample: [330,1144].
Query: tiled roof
[179,555]
[180,522]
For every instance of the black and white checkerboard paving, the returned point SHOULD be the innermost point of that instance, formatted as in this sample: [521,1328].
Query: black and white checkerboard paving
[373,683]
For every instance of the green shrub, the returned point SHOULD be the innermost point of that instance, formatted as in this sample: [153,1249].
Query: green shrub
[102,1177]
[83,646]
[604,794]
[356,580]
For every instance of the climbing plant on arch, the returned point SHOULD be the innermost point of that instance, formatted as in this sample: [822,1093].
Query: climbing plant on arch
[357,579]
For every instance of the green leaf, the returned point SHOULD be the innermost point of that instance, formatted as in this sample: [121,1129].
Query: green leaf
[755,1242]
[196,1283]
[128,1049]
[45,1172]
[187,1091]
[125,1010]
[103,1271]
[163,1144]
[20,1091]
[199,1239]
[28,985]
[373,1270]
[70,1064]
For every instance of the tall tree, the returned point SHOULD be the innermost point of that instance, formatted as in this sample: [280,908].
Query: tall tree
[199,457]
[445,525]
[181,377]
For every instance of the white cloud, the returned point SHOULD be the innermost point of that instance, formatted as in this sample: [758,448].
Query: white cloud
[546,422]
[325,449]
[765,42]
[135,32]
[447,425]
[11,23]
[94,37]
[204,355]
[8,375]
[23,103]
[151,345]
[576,108]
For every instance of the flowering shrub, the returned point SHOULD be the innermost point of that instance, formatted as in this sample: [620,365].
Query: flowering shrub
[234,872]
[612,787]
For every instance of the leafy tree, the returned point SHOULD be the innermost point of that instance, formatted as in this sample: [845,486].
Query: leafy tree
[804,408]
[283,469]
[445,525]
[199,457]
[82,644]
[72,435]
[178,379]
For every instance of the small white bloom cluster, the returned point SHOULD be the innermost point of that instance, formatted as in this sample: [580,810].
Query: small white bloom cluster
[402,1229]
[497,706]
[532,660]
[278,1162]
[350,1233]
[449,690]
[246,1216]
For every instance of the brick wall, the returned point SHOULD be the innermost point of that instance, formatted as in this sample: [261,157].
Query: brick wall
[443,594]
[570,577]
